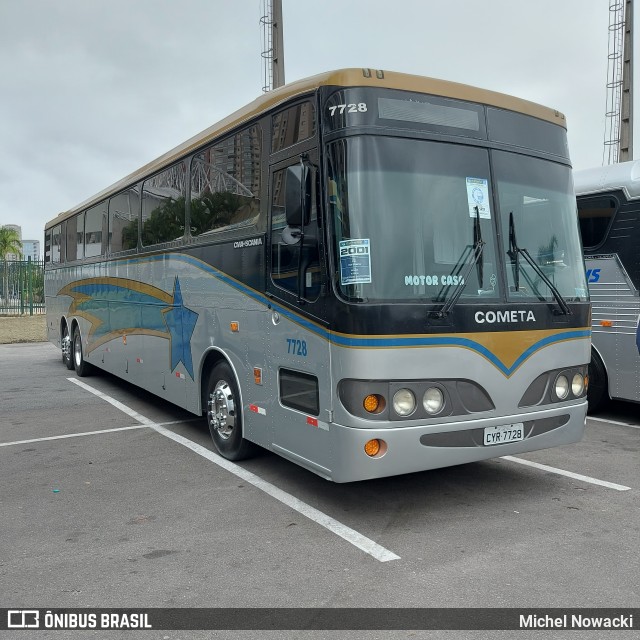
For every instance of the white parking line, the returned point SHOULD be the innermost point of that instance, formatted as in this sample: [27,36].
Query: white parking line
[92,433]
[569,474]
[72,435]
[620,424]
[347,533]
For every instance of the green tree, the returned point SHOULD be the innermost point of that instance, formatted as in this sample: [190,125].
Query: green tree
[9,243]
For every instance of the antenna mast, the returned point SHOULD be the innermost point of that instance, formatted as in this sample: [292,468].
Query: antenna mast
[272,45]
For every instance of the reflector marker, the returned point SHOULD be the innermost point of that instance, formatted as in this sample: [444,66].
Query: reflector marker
[256,409]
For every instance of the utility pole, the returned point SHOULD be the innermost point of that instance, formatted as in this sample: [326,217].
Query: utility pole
[272,45]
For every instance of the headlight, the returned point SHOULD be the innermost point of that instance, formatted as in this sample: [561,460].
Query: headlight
[562,387]
[404,402]
[577,385]
[432,400]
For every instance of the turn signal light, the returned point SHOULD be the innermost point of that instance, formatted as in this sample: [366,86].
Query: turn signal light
[372,447]
[373,403]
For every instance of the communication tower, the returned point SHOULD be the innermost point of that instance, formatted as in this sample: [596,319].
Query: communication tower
[618,135]
[272,45]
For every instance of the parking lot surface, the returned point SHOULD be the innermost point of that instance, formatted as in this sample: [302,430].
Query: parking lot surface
[112,498]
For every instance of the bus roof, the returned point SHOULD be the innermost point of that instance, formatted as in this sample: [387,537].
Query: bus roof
[340,78]
[623,175]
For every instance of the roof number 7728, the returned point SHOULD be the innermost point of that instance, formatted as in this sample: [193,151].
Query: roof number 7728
[349,108]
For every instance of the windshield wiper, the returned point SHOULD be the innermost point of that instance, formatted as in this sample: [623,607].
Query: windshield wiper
[476,261]
[515,252]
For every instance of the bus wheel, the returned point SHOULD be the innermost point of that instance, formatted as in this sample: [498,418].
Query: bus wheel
[224,414]
[66,348]
[82,367]
[598,392]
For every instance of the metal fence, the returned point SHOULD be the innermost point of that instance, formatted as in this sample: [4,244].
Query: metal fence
[21,287]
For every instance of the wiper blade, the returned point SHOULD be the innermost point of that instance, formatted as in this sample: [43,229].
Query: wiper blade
[515,251]
[476,261]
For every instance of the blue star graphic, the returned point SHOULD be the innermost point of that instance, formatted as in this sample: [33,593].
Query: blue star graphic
[181,322]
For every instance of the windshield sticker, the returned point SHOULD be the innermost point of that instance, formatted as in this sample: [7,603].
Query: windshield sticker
[355,261]
[478,196]
[434,281]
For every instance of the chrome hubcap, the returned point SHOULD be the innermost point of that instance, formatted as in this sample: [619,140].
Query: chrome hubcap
[66,347]
[222,410]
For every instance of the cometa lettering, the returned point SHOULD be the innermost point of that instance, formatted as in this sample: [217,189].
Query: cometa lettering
[499,317]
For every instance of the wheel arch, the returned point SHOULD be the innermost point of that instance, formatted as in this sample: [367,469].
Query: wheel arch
[71,323]
[212,357]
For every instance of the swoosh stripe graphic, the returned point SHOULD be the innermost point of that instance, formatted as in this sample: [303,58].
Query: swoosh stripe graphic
[386,341]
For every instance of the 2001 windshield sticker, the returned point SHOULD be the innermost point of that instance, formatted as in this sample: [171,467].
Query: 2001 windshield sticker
[478,196]
[355,261]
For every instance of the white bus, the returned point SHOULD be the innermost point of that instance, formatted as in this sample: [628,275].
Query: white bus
[368,273]
[609,212]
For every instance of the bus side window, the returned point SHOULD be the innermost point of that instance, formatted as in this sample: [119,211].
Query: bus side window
[595,215]
[286,244]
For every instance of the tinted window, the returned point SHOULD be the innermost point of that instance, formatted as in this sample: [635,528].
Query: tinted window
[287,257]
[163,206]
[525,131]
[80,236]
[123,220]
[292,125]
[595,215]
[47,245]
[95,230]
[225,184]
[299,391]
[56,244]
[71,240]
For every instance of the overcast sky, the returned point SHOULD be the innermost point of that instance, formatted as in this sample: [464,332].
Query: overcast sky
[91,90]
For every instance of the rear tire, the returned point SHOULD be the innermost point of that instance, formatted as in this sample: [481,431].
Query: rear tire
[598,392]
[82,367]
[224,414]
[67,348]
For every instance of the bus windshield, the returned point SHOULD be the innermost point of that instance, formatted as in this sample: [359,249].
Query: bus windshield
[408,215]
[414,220]
[538,216]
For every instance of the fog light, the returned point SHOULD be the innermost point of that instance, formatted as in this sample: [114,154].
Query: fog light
[433,400]
[562,387]
[372,447]
[577,385]
[404,402]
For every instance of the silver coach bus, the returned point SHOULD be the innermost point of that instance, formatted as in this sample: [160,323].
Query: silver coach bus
[609,213]
[368,273]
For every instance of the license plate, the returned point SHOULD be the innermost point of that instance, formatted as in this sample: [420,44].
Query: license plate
[504,434]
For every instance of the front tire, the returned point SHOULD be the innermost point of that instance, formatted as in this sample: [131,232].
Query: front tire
[82,367]
[224,414]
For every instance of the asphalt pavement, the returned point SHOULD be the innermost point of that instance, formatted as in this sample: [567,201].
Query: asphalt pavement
[112,498]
